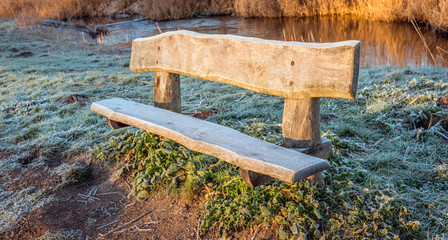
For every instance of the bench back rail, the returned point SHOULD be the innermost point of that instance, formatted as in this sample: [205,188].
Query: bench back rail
[292,70]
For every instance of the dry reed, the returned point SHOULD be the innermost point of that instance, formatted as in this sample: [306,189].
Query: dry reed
[177,9]
[433,12]
[62,9]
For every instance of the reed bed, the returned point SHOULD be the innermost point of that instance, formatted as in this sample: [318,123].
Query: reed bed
[61,10]
[177,9]
[432,12]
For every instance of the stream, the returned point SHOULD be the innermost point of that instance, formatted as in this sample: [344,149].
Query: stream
[382,43]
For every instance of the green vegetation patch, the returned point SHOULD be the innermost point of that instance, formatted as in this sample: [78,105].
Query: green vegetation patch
[343,208]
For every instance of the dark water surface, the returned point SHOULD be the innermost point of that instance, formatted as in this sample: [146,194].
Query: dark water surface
[382,43]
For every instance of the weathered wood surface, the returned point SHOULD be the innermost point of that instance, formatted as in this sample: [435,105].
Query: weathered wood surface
[323,150]
[301,123]
[215,140]
[167,91]
[292,70]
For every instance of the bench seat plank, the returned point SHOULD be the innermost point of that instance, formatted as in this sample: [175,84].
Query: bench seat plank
[206,137]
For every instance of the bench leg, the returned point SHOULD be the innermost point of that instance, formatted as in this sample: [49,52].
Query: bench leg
[167,91]
[321,151]
[301,131]
[315,179]
[115,125]
[301,123]
[254,179]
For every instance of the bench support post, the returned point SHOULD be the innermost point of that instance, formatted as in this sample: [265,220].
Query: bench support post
[254,179]
[301,123]
[301,130]
[115,125]
[167,91]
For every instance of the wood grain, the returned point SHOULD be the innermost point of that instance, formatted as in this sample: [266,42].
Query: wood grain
[167,91]
[301,123]
[292,70]
[215,140]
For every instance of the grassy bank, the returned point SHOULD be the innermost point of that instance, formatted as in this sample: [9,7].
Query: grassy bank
[432,12]
[388,175]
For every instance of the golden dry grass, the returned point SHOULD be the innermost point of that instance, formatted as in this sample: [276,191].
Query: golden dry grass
[62,9]
[432,12]
[177,9]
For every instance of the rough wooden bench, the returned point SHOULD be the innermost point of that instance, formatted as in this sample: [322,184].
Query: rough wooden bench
[299,72]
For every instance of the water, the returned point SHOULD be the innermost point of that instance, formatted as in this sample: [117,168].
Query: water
[382,43]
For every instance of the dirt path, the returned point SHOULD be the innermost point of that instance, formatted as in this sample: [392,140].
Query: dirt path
[101,209]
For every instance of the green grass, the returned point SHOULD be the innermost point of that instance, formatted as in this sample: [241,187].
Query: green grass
[383,181]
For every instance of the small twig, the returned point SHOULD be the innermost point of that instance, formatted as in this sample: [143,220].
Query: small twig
[239,99]
[435,125]
[377,142]
[415,100]
[146,82]
[255,234]
[130,204]
[143,229]
[406,153]
[146,229]
[125,229]
[90,192]
[325,134]
[105,210]
[418,134]
[128,223]
[441,134]
[88,197]
[197,230]
[108,224]
[158,27]
[128,185]
[430,121]
[94,192]
[108,193]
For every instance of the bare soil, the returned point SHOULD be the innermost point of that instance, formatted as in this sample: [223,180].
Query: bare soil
[101,209]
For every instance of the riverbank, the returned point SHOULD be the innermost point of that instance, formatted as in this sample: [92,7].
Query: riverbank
[388,177]
[430,12]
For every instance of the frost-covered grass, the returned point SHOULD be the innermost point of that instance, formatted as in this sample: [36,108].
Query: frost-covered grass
[388,175]
[39,68]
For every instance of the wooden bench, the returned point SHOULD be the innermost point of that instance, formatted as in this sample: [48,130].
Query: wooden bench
[302,73]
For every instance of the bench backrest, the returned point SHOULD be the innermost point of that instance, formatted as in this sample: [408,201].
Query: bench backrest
[292,70]
[299,72]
